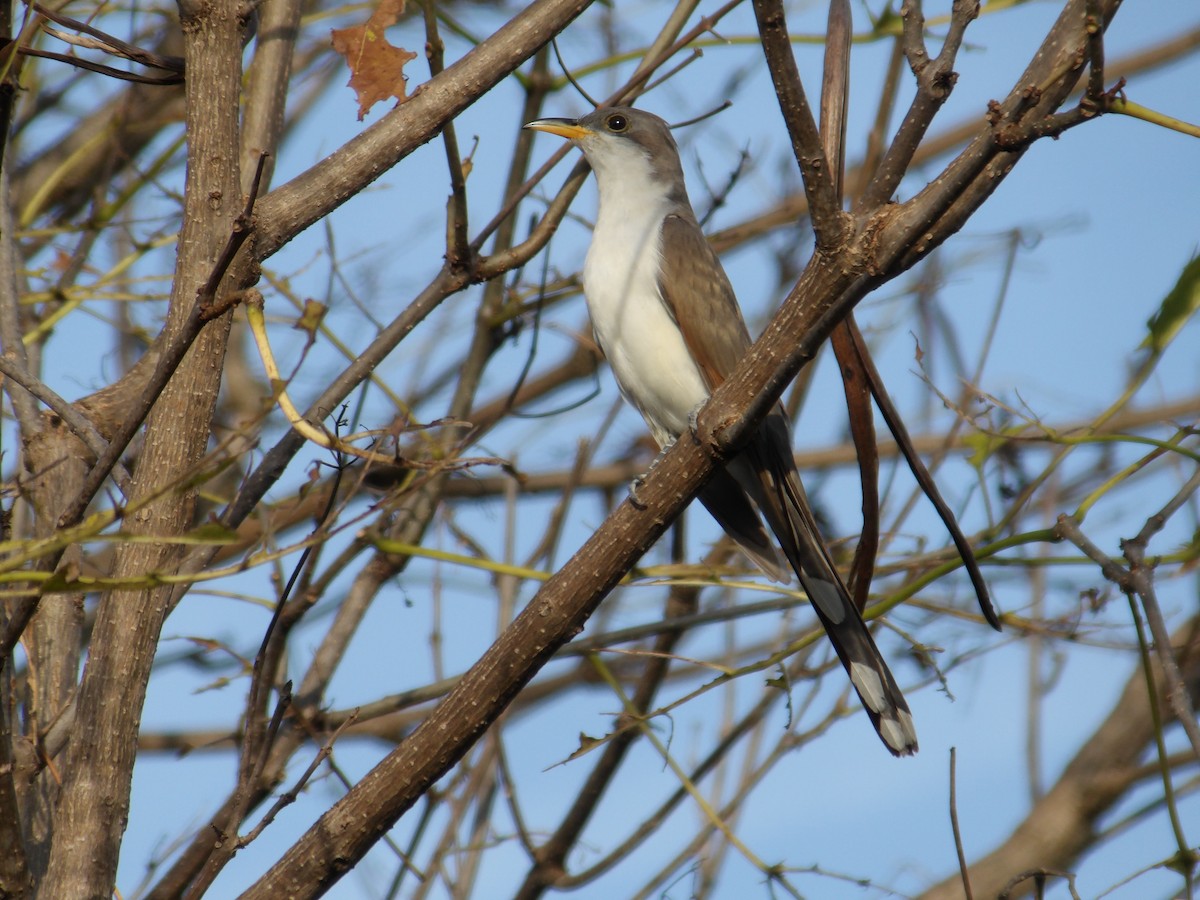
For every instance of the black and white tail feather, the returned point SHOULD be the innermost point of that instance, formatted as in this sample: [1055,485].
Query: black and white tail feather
[766,472]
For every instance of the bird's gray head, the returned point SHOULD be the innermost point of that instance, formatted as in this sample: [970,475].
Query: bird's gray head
[620,139]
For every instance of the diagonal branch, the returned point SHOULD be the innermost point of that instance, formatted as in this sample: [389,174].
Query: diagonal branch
[110,44]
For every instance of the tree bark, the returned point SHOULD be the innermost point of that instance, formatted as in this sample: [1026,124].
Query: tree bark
[94,804]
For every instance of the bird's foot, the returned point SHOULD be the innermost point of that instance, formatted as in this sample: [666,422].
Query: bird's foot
[640,480]
[634,487]
[694,418]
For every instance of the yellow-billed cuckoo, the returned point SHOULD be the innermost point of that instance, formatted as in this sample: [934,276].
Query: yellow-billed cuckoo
[666,317]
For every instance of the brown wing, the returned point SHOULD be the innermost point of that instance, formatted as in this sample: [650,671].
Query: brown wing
[700,298]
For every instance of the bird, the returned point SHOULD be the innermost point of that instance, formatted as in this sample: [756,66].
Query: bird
[665,315]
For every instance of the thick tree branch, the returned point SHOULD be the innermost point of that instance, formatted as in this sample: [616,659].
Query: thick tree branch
[90,819]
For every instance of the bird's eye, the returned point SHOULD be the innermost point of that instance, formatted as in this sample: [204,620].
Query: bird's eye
[616,123]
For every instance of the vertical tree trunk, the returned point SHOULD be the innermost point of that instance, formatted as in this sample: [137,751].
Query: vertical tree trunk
[94,806]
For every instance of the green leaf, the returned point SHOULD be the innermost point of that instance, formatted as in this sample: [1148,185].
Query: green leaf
[982,445]
[1176,309]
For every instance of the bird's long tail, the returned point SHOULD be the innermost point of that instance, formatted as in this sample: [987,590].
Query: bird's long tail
[776,489]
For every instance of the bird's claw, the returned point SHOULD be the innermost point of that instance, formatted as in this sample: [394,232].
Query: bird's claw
[640,480]
[634,487]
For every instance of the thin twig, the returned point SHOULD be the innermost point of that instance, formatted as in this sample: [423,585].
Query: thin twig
[1038,876]
[1138,580]
[935,81]
[1154,697]
[458,250]
[100,68]
[566,70]
[963,867]
[227,841]
[825,208]
[113,45]
[290,796]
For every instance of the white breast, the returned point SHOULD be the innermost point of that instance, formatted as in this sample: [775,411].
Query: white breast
[652,364]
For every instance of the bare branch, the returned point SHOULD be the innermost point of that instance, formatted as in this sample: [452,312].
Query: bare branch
[819,174]
[935,80]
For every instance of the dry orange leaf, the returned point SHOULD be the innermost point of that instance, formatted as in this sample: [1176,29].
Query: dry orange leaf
[376,67]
